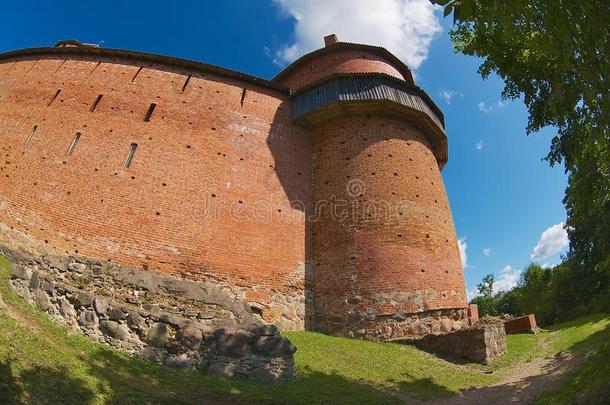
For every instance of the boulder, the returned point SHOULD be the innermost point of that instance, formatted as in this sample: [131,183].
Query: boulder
[159,334]
[21,272]
[42,300]
[82,299]
[135,320]
[264,330]
[100,305]
[274,346]
[114,330]
[88,319]
[117,314]
[231,342]
[191,337]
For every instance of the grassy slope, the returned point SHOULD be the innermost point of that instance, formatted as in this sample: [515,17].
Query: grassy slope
[41,362]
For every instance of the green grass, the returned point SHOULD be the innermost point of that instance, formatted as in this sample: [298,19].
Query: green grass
[589,384]
[42,362]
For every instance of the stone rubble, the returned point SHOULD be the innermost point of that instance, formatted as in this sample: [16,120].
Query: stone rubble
[179,323]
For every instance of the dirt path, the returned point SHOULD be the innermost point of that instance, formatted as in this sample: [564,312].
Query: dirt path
[522,384]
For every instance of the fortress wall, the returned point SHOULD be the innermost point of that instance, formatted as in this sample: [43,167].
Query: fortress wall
[210,191]
[390,249]
[340,61]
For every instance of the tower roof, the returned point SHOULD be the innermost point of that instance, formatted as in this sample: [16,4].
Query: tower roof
[333,45]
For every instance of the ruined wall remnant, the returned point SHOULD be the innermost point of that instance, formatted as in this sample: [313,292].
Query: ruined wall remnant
[481,343]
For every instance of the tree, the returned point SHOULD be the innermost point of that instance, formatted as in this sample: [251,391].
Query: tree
[486,286]
[556,55]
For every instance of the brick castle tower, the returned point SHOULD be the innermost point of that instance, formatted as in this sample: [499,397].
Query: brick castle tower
[315,198]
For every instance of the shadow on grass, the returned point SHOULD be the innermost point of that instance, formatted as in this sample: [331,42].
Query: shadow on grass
[130,380]
[39,385]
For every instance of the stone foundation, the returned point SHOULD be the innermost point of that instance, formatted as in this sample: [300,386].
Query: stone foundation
[178,323]
[482,343]
[400,325]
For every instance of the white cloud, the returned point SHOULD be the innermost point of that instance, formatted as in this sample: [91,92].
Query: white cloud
[405,27]
[462,245]
[448,95]
[471,294]
[479,145]
[508,279]
[484,108]
[552,241]
[487,251]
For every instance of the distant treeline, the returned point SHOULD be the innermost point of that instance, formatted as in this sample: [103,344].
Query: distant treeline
[556,294]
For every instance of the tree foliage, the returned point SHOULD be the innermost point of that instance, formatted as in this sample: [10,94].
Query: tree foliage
[555,54]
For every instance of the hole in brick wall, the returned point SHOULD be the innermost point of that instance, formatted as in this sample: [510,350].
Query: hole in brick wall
[186,83]
[417,195]
[399,235]
[256,310]
[395,174]
[213,195]
[243,96]
[96,102]
[149,113]
[164,184]
[417,177]
[73,143]
[158,213]
[137,73]
[188,146]
[427,236]
[55,96]
[423,271]
[132,151]
[347,158]
[369,155]
[240,201]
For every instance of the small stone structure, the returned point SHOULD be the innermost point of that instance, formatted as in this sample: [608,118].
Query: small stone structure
[179,323]
[481,343]
[522,324]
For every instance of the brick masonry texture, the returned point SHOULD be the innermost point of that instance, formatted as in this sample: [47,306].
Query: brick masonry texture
[225,189]
[522,324]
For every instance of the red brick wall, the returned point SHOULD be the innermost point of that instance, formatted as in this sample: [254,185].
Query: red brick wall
[203,163]
[340,61]
[405,258]
[523,324]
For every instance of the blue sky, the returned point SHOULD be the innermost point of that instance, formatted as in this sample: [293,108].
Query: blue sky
[502,194]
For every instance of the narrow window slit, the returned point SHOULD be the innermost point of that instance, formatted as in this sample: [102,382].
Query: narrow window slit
[60,65]
[29,138]
[96,66]
[132,151]
[73,143]
[243,97]
[31,67]
[186,83]
[150,111]
[96,102]
[137,73]
[55,96]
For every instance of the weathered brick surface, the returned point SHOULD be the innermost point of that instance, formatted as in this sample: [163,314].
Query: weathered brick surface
[391,245]
[522,324]
[225,188]
[341,62]
[208,194]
